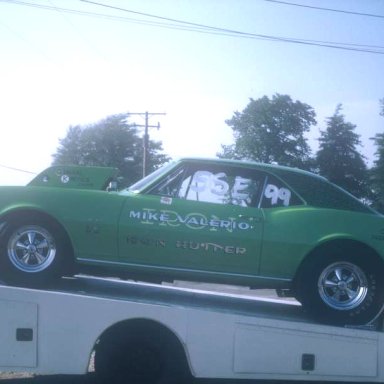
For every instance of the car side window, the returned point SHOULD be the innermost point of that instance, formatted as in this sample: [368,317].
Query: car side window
[225,186]
[212,184]
[277,194]
[169,186]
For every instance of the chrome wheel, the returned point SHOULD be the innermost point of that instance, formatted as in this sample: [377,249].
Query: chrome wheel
[343,286]
[31,249]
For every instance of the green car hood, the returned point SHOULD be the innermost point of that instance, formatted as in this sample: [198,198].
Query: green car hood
[75,177]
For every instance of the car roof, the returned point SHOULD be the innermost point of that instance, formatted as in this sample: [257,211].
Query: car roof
[271,168]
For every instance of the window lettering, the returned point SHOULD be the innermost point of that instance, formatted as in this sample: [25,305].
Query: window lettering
[275,194]
[221,189]
[239,188]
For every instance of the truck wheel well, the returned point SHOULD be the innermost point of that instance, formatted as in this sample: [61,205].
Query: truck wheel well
[119,336]
[136,327]
[344,246]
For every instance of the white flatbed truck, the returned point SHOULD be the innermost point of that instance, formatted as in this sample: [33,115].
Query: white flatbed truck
[144,333]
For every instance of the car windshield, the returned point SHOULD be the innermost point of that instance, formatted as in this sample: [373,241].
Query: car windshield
[149,179]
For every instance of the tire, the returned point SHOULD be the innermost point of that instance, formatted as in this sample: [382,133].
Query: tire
[141,359]
[342,290]
[32,252]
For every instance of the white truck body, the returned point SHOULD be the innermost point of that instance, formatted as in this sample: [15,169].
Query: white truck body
[55,332]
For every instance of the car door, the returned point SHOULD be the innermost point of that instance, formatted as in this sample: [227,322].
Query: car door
[200,217]
[288,221]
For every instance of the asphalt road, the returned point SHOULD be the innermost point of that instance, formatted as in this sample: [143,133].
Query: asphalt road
[90,379]
[52,379]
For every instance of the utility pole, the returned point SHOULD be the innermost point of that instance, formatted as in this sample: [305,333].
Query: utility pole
[146,135]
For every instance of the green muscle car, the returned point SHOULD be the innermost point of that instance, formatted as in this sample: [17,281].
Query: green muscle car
[231,222]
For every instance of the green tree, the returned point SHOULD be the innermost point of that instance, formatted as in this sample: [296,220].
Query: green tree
[338,158]
[110,142]
[377,171]
[272,131]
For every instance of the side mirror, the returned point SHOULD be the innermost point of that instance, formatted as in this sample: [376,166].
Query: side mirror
[112,187]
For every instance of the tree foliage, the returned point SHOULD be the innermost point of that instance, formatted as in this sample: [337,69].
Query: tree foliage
[272,131]
[377,171]
[338,158]
[110,142]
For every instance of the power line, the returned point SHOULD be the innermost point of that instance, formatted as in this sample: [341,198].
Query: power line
[17,169]
[28,42]
[202,28]
[105,16]
[79,33]
[326,44]
[326,9]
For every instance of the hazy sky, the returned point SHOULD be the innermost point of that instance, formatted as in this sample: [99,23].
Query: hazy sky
[61,68]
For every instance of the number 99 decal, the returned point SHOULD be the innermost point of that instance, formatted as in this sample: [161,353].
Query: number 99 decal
[275,194]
